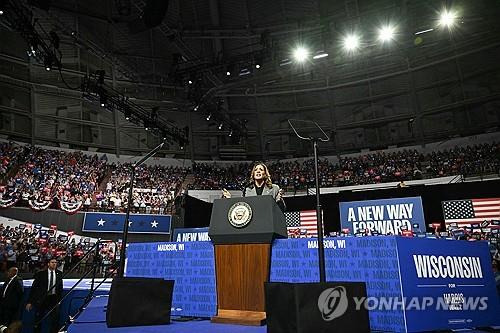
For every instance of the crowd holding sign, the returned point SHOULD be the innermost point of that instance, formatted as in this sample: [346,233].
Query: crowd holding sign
[384,217]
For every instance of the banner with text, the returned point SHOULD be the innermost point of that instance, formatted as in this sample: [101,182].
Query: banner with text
[191,235]
[449,283]
[383,217]
[138,223]
[191,265]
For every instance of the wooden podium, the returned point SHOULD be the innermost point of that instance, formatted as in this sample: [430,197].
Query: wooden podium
[243,256]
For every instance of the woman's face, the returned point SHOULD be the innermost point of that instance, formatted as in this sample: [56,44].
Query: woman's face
[259,172]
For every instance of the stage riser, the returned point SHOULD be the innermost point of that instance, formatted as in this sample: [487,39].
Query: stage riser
[386,264]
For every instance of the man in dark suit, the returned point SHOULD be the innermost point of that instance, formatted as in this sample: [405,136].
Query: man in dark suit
[45,293]
[11,295]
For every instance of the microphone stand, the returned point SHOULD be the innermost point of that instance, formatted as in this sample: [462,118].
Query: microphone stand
[121,270]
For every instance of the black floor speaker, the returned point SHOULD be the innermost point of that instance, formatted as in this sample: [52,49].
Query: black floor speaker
[139,302]
[315,307]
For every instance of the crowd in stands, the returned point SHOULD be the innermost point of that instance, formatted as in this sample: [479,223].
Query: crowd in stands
[44,175]
[55,176]
[9,154]
[30,249]
[373,168]
[47,174]
[154,190]
[215,177]
[471,160]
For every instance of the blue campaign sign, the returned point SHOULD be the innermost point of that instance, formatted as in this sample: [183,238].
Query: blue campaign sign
[372,260]
[190,264]
[191,235]
[385,216]
[450,283]
[138,223]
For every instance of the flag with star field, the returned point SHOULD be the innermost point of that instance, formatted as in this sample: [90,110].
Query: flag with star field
[471,211]
[139,223]
[301,224]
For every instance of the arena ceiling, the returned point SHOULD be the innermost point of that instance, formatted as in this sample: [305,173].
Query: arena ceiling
[224,74]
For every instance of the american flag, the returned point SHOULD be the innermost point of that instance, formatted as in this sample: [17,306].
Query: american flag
[466,212]
[303,221]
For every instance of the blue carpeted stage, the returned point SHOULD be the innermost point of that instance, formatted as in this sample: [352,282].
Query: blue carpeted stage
[70,305]
[93,319]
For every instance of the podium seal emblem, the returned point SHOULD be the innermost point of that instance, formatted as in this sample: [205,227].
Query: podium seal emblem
[240,214]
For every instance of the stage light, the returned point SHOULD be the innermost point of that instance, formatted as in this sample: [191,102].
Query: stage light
[220,126]
[1,12]
[257,66]
[386,33]
[190,82]
[48,61]
[351,42]
[230,133]
[209,116]
[320,54]
[127,112]
[228,73]
[447,18]
[245,71]
[102,100]
[423,31]
[196,108]
[285,62]
[300,54]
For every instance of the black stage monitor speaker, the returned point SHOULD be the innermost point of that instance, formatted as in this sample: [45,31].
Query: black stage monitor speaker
[139,302]
[315,307]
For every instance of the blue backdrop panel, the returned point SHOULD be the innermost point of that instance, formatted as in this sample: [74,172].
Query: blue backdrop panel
[385,263]
[369,259]
[453,286]
[191,235]
[384,216]
[190,264]
[139,223]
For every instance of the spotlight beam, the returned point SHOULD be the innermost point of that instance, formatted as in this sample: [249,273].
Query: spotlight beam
[351,42]
[300,54]
[447,18]
[386,33]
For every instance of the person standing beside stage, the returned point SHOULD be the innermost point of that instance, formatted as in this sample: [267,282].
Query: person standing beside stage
[11,295]
[261,184]
[45,293]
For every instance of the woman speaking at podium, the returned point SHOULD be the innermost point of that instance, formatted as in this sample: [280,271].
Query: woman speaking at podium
[261,184]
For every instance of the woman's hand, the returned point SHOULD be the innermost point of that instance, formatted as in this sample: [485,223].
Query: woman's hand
[279,196]
[226,194]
